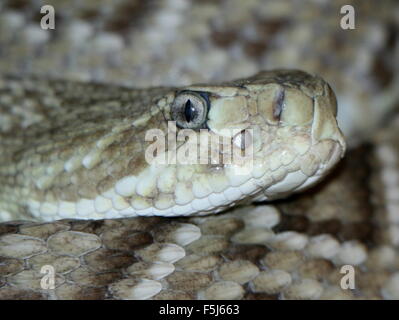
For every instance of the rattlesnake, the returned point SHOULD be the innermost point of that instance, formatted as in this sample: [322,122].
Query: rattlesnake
[79,151]
[293,249]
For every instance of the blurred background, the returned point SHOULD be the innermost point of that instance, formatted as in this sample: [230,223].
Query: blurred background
[178,42]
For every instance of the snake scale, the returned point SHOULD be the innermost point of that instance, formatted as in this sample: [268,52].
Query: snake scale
[72,150]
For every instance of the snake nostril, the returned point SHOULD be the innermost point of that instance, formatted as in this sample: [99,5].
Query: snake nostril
[278,104]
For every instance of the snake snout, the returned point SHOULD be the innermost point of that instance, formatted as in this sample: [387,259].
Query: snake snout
[325,124]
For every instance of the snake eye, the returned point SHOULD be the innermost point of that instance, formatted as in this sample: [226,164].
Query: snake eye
[190,109]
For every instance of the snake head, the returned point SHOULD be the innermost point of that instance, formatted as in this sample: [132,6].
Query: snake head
[285,120]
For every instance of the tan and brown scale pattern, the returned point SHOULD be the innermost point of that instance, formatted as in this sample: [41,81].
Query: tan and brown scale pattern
[257,252]
[292,251]
[178,42]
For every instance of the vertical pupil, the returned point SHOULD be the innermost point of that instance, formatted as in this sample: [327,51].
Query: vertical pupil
[189,110]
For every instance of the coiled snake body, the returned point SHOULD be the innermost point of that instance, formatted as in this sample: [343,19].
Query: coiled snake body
[74,152]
